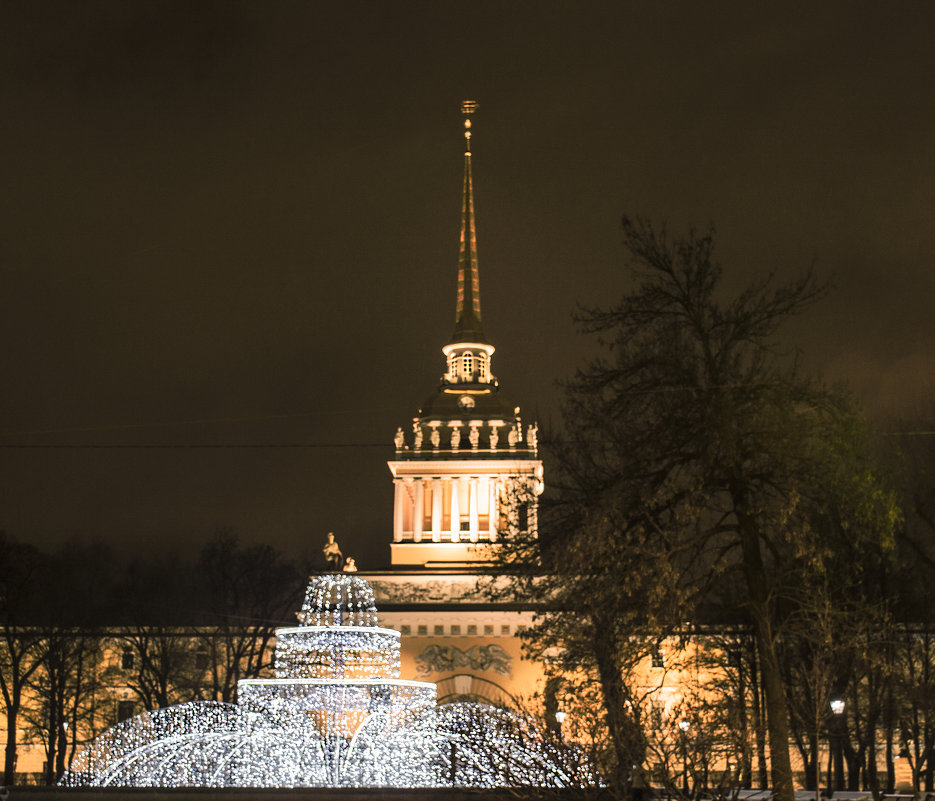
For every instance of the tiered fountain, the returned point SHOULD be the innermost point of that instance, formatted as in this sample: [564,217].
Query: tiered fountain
[336,714]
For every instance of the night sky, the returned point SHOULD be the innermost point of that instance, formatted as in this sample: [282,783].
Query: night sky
[229,230]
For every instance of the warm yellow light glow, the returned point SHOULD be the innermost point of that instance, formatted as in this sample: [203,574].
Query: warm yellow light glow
[488,349]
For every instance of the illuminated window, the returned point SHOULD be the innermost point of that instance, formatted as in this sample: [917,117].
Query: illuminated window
[658,660]
[467,365]
[482,364]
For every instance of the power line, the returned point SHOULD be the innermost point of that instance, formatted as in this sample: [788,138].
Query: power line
[158,424]
[141,446]
[191,446]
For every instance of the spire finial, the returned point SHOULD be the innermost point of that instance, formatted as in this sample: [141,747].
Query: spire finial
[468,107]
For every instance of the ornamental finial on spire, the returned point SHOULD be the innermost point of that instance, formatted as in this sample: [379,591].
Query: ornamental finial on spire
[468,107]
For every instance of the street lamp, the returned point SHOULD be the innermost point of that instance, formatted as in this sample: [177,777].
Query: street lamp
[685,725]
[837,745]
[560,719]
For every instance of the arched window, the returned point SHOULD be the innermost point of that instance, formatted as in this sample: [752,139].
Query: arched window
[467,366]
[482,363]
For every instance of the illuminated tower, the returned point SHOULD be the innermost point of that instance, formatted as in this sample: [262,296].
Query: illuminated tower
[467,473]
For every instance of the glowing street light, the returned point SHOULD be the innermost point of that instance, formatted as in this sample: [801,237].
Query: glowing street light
[684,725]
[837,736]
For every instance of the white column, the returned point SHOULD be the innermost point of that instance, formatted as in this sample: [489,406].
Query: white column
[398,510]
[492,510]
[418,507]
[436,509]
[472,508]
[455,518]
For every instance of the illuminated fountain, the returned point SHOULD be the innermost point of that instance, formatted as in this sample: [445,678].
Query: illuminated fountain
[336,714]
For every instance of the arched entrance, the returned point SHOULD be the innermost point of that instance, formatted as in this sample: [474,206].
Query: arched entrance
[468,687]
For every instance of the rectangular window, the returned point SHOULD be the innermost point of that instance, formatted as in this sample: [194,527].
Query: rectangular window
[505,630]
[455,629]
[126,659]
[523,515]
[488,630]
[439,631]
[405,630]
[658,660]
[423,631]
[125,710]
[472,629]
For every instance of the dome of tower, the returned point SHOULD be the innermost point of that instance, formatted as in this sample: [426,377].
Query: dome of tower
[450,402]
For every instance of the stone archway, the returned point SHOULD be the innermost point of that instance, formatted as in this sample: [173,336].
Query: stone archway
[468,687]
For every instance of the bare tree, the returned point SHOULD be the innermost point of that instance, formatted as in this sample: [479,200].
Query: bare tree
[157,638]
[246,592]
[20,571]
[693,450]
[76,590]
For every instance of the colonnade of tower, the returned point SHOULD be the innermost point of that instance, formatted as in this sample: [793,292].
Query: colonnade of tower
[467,505]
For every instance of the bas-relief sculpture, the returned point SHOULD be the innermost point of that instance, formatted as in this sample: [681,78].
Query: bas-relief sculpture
[445,658]
[433,591]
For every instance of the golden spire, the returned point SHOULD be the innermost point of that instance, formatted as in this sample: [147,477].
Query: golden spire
[467,311]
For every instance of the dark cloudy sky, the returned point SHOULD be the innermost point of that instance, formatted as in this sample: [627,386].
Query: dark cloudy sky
[235,224]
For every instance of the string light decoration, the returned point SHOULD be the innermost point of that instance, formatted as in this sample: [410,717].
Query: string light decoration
[338,600]
[336,715]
